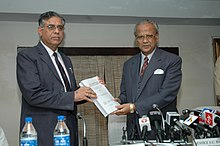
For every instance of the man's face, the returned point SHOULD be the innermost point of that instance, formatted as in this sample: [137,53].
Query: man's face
[52,33]
[146,38]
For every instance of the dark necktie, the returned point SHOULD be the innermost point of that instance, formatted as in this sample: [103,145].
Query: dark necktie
[144,66]
[63,74]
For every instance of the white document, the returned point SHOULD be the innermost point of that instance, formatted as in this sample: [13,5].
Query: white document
[104,101]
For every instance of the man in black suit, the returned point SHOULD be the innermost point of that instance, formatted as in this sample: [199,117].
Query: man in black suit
[46,92]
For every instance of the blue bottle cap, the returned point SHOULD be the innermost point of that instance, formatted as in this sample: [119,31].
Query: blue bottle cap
[28,119]
[60,117]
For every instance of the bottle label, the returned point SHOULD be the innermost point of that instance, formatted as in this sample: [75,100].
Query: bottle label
[28,142]
[61,140]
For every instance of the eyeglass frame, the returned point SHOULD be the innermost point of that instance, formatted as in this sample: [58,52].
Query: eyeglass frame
[52,27]
[147,36]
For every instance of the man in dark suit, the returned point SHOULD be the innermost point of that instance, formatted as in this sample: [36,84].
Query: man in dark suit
[49,89]
[158,83]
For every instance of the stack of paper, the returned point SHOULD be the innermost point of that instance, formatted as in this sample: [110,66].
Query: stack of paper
[104,101]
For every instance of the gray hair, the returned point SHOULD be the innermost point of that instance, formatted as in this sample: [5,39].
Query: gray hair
[146,21]
[48,15]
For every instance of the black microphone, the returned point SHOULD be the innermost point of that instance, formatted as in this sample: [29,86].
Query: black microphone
[170,116]
[217,120]
[144,133]
[156,107]
[145,126]
[186,113]
[184,128]
[211,131]
[155,120]
[190,123]
[85,142]
[217,131]
[207,133]
[194,112]
[172,131]
[133,134]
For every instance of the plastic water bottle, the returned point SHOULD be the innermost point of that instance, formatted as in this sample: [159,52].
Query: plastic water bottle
[28,136]
[61,133]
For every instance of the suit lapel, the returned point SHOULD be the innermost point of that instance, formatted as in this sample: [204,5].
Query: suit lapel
[135,67]
[46,58]
[68,68]
[152,66]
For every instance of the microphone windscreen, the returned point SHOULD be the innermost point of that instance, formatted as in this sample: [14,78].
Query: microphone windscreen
[154,106]
[144,121]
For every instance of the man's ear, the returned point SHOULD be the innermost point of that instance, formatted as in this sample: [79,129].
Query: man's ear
[40,29]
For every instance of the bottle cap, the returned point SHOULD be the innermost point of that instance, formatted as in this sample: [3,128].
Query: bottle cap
[60,118]
[28,119]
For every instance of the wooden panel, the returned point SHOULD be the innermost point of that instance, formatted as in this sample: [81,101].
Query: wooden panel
[108,51]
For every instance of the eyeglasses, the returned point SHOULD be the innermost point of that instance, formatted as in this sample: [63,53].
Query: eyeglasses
[53,27]
[147,36]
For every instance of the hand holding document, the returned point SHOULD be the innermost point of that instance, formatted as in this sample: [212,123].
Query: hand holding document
[104,101]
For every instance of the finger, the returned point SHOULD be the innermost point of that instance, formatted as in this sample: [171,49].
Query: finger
[118,113]
[92,93]
[115,112]
[88,99]
[119,107]
[92,96]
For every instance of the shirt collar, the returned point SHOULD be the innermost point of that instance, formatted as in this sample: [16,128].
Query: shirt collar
[50,52]
[148,56]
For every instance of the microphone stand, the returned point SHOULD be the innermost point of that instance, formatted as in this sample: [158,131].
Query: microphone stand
[85,142]
[124,138]
[161,131]
[144,134]
[171,131]
[163,121]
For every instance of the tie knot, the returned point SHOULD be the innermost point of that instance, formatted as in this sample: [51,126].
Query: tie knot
[55,54]
[145,59]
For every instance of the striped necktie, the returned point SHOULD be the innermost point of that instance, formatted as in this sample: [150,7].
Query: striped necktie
[144,66]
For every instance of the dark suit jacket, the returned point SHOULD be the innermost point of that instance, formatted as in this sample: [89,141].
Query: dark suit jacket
[43,96]
[159,85]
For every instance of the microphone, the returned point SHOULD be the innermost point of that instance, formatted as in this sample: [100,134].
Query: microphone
[190,120]
[185,129]
[186,113]
[210,117]
[191,112]
[190,123]
[155,120]
[145,126]
[212,120]
[172,131]
[217,120]
[133,134]
[207,133]
[85,142]
[156,107]
[170,116]
[216,131]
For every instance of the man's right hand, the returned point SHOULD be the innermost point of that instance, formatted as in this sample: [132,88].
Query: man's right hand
[84,93]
